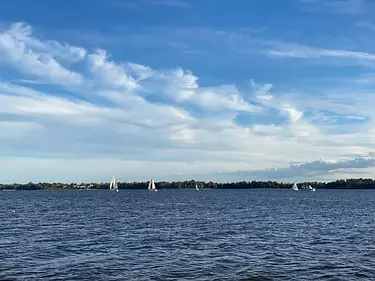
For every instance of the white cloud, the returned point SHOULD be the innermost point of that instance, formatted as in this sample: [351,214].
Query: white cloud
[37,58]
[22,33]
[108,73]
[177,84]
[132,119]
[294,115]
[285,50]
[181,87]
[261,92]
[225,96]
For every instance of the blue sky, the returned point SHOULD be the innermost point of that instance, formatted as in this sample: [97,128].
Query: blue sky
[181,89]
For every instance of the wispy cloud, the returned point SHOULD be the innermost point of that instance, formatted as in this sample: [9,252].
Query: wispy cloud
[38,58]
[306,52]
[239,45]
[337,6]
[30,81]
[175,3]
[137,4]
[365,25]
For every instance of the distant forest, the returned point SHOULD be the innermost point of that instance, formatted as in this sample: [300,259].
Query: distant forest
[339,184]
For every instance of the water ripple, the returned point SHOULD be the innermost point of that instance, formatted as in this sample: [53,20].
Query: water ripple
[187,235]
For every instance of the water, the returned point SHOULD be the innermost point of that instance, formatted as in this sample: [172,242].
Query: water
[187,235]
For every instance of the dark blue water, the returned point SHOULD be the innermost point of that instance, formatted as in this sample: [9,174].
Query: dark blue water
[187,235]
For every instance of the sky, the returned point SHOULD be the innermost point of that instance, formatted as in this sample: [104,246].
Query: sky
[210,90]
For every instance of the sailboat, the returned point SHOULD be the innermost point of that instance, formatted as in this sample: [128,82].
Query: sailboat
[294,187]
[151,185]
[113,185]
[196,187]
[307,188]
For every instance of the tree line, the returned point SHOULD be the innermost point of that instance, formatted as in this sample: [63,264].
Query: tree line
[338,184]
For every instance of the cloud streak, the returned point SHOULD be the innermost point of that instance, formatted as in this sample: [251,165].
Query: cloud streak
[173,3]
[336,6]
[284,50]
[138,4]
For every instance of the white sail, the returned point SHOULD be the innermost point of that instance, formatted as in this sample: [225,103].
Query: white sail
[311,188]
[196,187]
[113,185]
[295,187]
[151,185]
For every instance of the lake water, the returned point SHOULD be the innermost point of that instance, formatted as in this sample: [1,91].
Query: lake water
[187,235]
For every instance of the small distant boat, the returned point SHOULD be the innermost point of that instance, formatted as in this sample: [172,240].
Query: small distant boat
[303,188]
[90,187]
[113,185]
[196,187]
[151,185]
[308,188]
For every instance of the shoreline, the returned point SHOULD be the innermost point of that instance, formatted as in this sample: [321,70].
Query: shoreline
[192,189]
[192,184]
